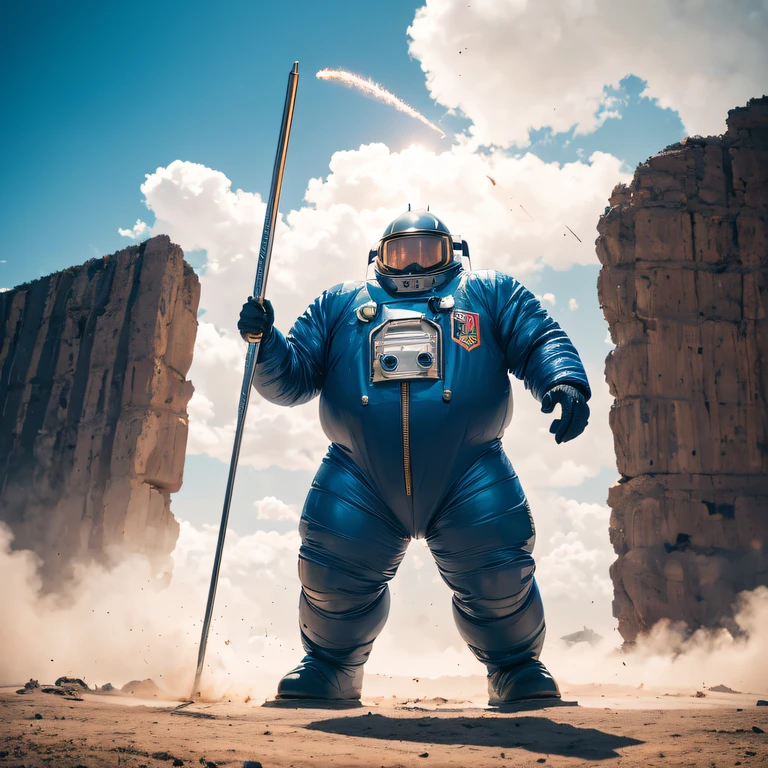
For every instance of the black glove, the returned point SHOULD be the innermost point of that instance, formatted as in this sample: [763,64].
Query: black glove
[573,416]
[256,320]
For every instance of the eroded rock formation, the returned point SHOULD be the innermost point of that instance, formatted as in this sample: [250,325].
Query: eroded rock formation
[684,288]
[93,397]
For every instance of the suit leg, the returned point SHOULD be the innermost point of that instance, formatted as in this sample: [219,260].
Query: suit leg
[351,547]
[482,539]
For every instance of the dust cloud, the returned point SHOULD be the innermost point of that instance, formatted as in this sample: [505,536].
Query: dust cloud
[117,625]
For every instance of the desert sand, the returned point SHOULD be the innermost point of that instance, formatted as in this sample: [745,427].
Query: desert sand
[611,725]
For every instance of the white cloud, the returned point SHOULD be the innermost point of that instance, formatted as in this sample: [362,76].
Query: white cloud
[543,464]
[271,508]
[572,555]
[573,305]
[140,229]
[198,209]
[571,571]
[327,241]
[200,408]
[549,298]
[274,435]
[515,65]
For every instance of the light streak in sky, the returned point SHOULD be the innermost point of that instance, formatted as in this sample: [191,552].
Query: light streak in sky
[374,89]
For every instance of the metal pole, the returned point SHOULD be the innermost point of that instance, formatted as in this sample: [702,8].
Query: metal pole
[260,284]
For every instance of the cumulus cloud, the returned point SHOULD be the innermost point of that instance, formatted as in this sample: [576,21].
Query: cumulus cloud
[327,241]
[287,437]
[271,508]
[573,305]
[514,65]
[543,464]
[140,229]
[374,182]
[197,207]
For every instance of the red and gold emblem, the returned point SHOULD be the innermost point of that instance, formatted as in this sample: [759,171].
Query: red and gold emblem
[465,328]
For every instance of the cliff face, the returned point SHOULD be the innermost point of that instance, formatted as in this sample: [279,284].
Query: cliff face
[93,396]
[684,288]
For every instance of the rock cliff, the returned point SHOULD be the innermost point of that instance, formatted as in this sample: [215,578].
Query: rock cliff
[684,286]
[93,397]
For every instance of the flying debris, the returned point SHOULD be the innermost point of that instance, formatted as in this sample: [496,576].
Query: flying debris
[493,181]
[526,212]
[573,233]
[585,635]
[378,92]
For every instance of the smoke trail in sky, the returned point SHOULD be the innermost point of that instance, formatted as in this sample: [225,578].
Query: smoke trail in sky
[375,90]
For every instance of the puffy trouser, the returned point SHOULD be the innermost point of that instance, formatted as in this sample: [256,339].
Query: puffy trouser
[481,538]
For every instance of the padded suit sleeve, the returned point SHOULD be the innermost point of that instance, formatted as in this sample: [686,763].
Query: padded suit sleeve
[536,348]
[290,370]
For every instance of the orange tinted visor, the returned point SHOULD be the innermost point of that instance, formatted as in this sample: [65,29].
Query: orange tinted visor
[425,251]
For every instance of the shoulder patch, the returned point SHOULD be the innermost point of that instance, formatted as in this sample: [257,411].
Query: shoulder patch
[465,329]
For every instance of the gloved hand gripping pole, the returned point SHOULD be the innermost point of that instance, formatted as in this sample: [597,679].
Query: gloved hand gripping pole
[259,287]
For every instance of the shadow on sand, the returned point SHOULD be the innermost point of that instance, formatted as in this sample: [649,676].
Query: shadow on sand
[535,734]
[312,704]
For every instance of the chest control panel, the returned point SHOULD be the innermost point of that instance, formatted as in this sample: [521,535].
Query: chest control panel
[404,349]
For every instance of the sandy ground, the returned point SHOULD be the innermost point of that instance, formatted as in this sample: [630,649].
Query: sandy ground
[611,726]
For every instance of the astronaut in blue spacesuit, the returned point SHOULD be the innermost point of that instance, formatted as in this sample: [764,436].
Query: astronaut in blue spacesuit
[412,372]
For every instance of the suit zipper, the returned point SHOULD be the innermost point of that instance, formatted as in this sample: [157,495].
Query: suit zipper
[405,408]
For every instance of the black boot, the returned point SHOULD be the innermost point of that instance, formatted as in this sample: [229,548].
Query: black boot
[529,680]
[316,679]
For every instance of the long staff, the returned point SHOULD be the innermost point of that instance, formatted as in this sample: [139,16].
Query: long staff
[260,285]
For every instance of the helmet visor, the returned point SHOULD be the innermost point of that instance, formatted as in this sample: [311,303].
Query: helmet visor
[414,252]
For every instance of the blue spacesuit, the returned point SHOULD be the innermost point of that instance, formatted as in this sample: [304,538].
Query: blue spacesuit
[412,373]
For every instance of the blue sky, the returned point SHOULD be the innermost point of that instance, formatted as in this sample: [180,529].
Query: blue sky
[100,94]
